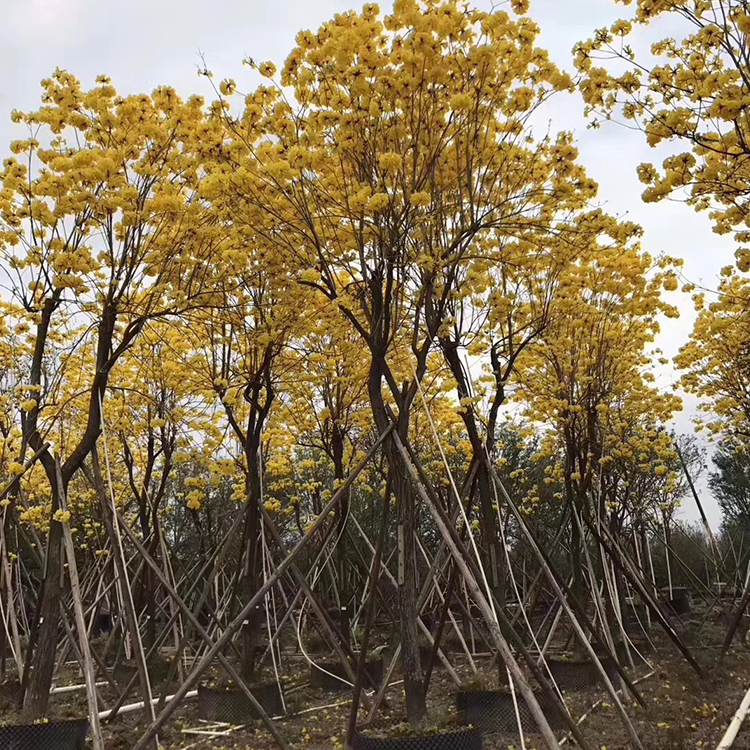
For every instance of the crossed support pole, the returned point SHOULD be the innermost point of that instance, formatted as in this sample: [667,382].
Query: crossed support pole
[452,563]
[233,627]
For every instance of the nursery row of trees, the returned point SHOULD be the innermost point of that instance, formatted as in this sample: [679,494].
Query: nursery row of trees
[368,279]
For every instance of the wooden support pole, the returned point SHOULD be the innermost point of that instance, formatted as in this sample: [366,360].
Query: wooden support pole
[80,620]
[553,580]
[202,633]
[481,602]
[622,561]
[236,624]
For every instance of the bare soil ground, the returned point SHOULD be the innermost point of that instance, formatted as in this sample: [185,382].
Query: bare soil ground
[683,710]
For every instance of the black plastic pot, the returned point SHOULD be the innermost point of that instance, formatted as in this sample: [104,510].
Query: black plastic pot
[494,711]
[9,692]
[635,619]
[621,651]
[102,624]
[60,735]
[123,673]
[424,657]
[234,707]
[680,601]
[580,675]
[461,739]
[338,679]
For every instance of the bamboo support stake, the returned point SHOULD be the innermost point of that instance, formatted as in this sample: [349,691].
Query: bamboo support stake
[570,614]
[427,587]
[369,617]
[75,588]
[202,633]
[236,624]
[444,611]
[11,614]
[480,600]
[104,715]
[339,646]
[652,574]
[420,624]
[711,538]
[73,688]
[667,560]
[599,603]
[615,599]
[442,598]
[478,572]
[620,559]
[175,618]
[109,517]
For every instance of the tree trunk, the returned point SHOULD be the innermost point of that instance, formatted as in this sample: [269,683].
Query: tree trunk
[407,591]
[342,513]
[253,562]
[400,483]
[42,665]
[495,560]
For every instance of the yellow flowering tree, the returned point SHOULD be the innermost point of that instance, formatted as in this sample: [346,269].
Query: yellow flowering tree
[716,359]
[325,409]
[13,354]
[590,378]
[98,222]
[694,89]
[506,301]
[151,414]
[234,362]
[403,155]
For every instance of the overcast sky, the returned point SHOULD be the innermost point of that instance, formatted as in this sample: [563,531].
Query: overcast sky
[145,43]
